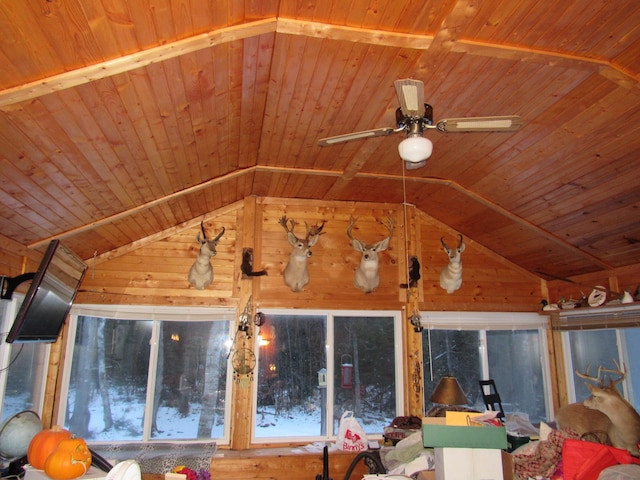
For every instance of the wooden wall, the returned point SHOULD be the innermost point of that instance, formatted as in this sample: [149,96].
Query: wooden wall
[154,271]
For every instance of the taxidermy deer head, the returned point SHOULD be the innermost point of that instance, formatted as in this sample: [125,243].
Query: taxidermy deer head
[604,411]
[296,276]
[366,277]
[451,275]
[201,272]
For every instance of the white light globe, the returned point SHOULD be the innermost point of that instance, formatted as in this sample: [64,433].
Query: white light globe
[415,149]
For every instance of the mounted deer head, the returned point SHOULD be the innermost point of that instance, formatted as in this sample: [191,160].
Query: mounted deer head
[296,276]
[604,411]
[201,272]
[451,275]
[366,277]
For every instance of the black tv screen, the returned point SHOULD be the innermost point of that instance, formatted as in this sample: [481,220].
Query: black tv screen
[49,297]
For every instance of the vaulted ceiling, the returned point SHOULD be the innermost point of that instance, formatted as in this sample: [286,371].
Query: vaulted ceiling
[122,119]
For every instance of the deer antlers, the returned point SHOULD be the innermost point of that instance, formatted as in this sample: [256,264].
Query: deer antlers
[295,274]
[599,378]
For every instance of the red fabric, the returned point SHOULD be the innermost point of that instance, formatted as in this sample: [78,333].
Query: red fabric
[585,460]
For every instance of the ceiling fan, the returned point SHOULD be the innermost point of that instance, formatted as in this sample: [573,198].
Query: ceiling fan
[412,119]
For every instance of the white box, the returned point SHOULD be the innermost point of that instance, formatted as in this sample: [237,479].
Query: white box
[468,464]
[94,473]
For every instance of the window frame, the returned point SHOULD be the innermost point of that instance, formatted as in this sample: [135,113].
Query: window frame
[13,349]
[482,322]
[155,314]
[620,355]
[608,317]
[330,315]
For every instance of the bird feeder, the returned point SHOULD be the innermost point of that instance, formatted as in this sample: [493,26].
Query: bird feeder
[322,378]
[346,371]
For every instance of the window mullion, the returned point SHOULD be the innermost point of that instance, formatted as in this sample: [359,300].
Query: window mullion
[155,342]
[330,365]
[484,355]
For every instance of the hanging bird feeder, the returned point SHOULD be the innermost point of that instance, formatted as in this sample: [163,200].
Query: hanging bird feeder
[346,371]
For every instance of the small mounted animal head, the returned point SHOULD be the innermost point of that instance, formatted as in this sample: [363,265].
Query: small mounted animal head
[451,275]
[296,276]
[366,276]
[201,272]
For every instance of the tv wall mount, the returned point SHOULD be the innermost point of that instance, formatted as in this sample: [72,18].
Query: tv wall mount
[8,285]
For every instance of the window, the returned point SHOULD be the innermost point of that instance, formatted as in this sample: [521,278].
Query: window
[597,337]
[359,356]
[139,374]
[23,367]
[472,346]
[589,349]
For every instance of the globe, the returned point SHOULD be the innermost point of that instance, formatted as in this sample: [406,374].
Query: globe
[16,433]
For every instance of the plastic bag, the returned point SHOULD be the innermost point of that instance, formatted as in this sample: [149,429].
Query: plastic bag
[351,436]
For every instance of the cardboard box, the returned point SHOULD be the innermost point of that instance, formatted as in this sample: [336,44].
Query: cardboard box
[426,475]
[468,463]
[436,434]
[507,465]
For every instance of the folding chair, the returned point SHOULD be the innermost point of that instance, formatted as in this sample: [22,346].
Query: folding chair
[491,397]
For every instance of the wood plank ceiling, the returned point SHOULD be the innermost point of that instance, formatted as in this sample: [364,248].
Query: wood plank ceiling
[120,119]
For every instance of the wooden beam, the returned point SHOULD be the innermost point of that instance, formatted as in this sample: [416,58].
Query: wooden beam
[144,206]
[325,173]
[130,62]
[604,68]
[351,34]
[160,53]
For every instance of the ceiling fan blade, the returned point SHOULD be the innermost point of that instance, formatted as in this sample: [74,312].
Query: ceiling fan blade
[506,123]
[411,96]
[347,137]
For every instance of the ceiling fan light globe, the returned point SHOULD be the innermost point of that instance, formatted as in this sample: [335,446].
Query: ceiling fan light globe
[415,149]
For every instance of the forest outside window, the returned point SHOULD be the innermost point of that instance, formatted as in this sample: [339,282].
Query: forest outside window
[141,375]
[359,355]
[473,346]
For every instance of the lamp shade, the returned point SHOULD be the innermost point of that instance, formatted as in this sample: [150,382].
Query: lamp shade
[448,392]
[415,149]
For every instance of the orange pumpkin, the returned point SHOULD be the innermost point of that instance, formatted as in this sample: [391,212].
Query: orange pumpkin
[71,459]
[44,443]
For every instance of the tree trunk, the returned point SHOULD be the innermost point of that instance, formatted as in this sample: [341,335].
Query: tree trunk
[103,381]
[80,417]
[214,359]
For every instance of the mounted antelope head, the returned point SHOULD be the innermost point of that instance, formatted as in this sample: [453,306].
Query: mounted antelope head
[201,272]
[604,411]
[296,276]
[451,275]
[366,277]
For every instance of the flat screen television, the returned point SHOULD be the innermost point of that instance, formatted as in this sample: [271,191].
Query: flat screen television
[49,297]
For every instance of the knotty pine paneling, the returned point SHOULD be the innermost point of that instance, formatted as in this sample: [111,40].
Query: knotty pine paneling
[489,283]
[157,273]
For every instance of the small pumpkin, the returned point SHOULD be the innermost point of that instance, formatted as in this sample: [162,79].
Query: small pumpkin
[71,459]
[44,443]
